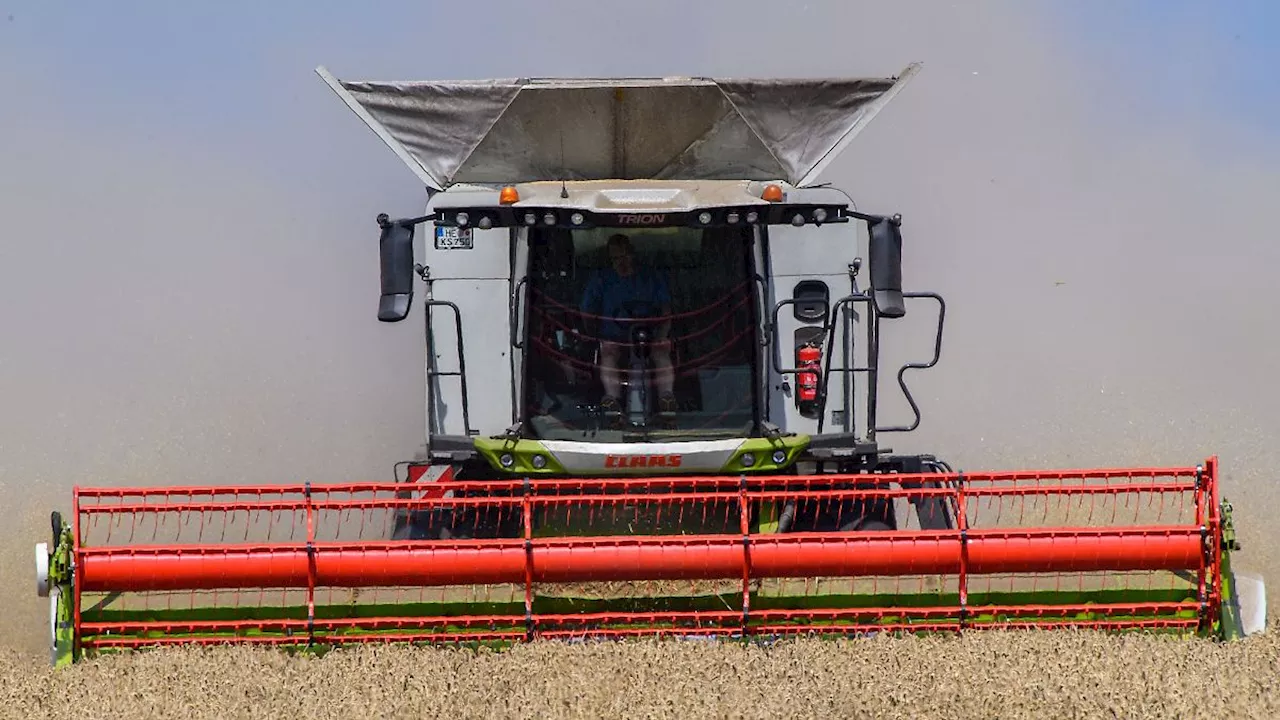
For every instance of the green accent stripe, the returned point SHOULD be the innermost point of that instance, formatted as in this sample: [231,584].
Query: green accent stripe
[522,453]
[762,451]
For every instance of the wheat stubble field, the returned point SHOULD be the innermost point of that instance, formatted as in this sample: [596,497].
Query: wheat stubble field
[1059,675]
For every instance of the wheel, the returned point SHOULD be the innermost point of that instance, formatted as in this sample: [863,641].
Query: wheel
[55,599]
[60,644]
[421,525]
[42,569]
[864,525]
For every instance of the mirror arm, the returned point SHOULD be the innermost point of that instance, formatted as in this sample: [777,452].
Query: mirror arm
[384,220]
[896,218]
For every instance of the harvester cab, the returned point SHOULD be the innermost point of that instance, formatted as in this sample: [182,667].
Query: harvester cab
[652,380]
[672,293]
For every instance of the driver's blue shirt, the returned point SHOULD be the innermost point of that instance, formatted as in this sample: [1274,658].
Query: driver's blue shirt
[608,293]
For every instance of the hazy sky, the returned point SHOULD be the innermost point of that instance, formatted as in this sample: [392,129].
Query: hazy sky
[1202,63]
[188,275]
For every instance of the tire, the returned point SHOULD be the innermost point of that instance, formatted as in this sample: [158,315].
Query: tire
[865,524]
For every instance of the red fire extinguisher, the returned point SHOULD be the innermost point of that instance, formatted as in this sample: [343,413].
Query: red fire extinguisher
[809,361]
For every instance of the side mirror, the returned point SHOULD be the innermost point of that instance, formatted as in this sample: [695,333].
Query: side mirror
[885,252]
[395,246]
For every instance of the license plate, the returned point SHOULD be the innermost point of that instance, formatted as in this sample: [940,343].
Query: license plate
[452,238]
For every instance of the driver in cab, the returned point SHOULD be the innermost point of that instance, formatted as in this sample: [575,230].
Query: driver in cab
[623,291]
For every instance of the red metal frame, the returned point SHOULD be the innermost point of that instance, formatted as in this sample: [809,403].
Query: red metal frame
[967,551]
[564,560]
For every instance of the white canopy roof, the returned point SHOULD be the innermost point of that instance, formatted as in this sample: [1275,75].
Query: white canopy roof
[527,130]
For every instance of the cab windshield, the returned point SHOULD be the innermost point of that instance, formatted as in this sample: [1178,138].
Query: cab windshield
[640,335]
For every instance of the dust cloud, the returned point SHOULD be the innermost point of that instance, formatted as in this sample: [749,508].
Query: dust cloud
[183,307]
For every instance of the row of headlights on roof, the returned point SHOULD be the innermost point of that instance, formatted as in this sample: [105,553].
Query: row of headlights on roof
[550,218]
[462,219]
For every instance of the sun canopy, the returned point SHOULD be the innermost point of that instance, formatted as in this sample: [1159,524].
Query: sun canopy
[527,130]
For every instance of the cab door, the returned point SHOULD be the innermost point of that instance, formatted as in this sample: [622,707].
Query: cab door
[807,269]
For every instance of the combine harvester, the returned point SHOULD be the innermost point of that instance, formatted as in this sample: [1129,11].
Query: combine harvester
[652,386]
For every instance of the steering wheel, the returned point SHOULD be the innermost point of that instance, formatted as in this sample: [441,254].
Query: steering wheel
[641,333]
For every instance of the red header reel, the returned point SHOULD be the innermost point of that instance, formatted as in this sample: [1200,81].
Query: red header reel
[516,560]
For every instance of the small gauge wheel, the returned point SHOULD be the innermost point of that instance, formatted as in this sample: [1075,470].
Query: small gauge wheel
[55,521]
[55,599]
[42,569]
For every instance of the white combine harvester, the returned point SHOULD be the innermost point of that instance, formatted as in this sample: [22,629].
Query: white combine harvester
[652,379]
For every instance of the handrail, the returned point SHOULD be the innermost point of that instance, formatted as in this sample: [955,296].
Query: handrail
[873,367]
[461,372]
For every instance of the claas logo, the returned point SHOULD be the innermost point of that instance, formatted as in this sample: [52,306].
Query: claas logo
[642,461]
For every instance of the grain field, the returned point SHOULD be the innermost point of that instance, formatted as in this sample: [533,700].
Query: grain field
[993,675]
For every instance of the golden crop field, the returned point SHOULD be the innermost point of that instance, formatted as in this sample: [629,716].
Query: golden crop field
[1020,675]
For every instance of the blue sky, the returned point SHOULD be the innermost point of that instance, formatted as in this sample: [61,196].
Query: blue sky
[223,72]
[1184,57]
[220,70]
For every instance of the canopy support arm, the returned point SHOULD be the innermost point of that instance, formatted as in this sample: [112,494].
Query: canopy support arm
[405,156]
[873,108]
